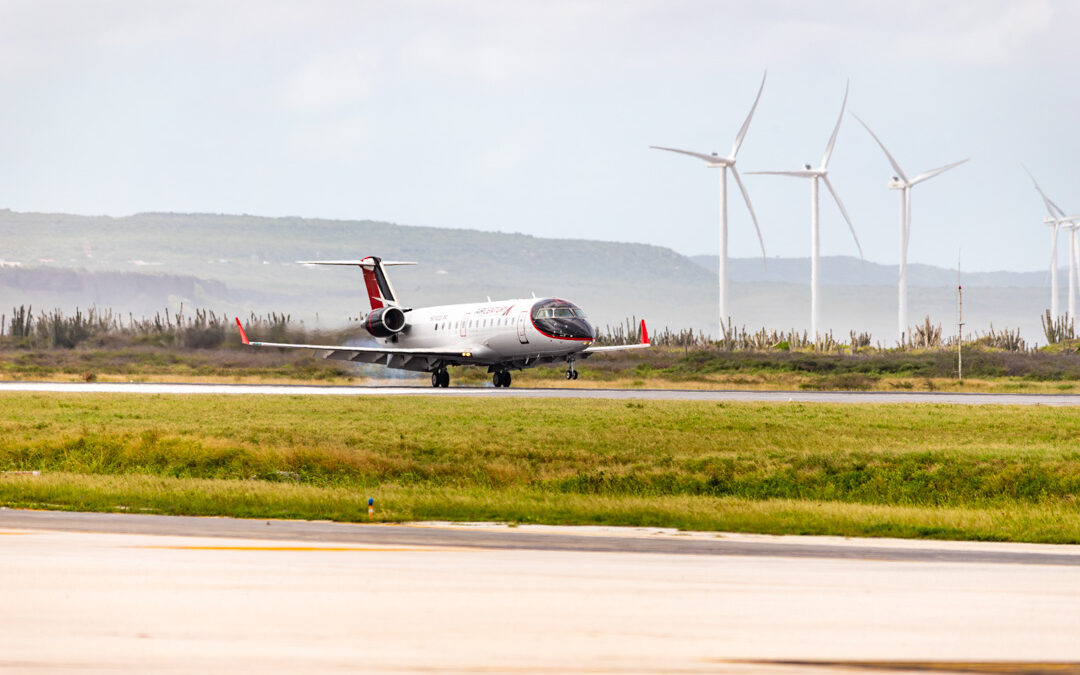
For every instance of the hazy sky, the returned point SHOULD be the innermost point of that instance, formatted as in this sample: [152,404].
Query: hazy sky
[535,117]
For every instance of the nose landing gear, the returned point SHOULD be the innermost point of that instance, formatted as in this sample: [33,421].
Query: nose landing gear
[571,372]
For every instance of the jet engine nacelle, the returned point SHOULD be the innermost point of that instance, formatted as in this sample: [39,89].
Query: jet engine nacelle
[385,322]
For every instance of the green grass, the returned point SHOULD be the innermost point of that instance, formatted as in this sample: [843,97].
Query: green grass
[1001,473]
[986,370]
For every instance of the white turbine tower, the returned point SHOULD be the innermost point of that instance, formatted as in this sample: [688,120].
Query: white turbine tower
[1055,221]
[1074,263]
[901,182]
[1071,224]
[714,161]
[821,173]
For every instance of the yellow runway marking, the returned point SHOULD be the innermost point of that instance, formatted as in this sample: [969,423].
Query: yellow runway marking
[956,667]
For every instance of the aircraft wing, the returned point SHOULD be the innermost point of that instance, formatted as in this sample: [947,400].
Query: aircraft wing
[615,348]
[364,354]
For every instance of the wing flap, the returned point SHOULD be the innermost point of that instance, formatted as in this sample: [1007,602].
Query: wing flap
[364,354]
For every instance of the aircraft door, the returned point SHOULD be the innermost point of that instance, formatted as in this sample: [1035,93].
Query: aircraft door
[522,318]
[464,324]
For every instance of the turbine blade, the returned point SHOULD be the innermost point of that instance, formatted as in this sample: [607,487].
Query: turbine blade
[713,159]
[844,212]
[895,165]
[798,174]
[1050,206]
[746,124]
[836,130]
[934,172]
[753,216]
[1061,211]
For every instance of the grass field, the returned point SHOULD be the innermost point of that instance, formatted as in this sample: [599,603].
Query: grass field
[660,367]
[997,473]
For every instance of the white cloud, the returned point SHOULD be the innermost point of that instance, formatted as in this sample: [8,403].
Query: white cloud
[984,33]
[338,139]
[332,80]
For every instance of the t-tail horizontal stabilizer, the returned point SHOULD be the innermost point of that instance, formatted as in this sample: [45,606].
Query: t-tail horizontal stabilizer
[380,291]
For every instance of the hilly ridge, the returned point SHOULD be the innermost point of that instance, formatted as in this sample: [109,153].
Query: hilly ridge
[239,263]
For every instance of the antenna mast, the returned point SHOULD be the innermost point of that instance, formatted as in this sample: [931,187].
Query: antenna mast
[959,323]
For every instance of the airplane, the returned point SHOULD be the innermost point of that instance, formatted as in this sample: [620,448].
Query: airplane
[505,335]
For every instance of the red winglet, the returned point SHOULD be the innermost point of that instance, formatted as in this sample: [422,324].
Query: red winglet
[243,335]
[644,333]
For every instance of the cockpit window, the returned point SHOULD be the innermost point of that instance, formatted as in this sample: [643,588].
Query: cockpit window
[560,313]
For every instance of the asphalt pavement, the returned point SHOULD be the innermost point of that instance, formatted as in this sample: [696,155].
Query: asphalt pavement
[564,392]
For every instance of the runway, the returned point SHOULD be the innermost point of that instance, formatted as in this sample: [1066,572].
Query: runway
[538,538]
[611,394]
[108,593]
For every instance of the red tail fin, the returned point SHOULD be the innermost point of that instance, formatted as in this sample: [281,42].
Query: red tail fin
[644,333]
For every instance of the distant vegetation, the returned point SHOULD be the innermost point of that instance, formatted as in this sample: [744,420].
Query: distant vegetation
[204,345]
[205,329]
[201,329]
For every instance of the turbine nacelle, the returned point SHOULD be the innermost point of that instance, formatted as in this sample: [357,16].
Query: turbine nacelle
[821,173]
[897,184]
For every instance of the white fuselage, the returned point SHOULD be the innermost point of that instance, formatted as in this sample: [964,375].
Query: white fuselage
[488,332]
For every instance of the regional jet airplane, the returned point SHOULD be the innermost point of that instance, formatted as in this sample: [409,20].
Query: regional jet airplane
[504,336]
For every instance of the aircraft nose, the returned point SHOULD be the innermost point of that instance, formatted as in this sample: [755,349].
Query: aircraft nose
[583,329]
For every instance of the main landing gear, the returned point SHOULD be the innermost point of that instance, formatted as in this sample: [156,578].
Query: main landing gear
[571,373]
[501,378]
[440,378]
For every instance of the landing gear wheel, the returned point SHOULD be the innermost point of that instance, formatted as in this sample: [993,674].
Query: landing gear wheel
[575,374]
[436,381]
[444,378]
[496,378]
[569,374]
[506,379]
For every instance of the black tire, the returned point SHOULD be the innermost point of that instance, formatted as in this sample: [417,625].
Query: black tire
[575,374]
[444,379]
[436,381]
[496,379]
[506,379]
[569,375]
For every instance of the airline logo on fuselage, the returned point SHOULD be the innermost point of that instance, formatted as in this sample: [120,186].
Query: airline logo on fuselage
[493,309]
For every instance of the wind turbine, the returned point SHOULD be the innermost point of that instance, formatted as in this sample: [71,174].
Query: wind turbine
[1071,226]
[1055,221]
[901,182]
[714,161]
[821,173]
